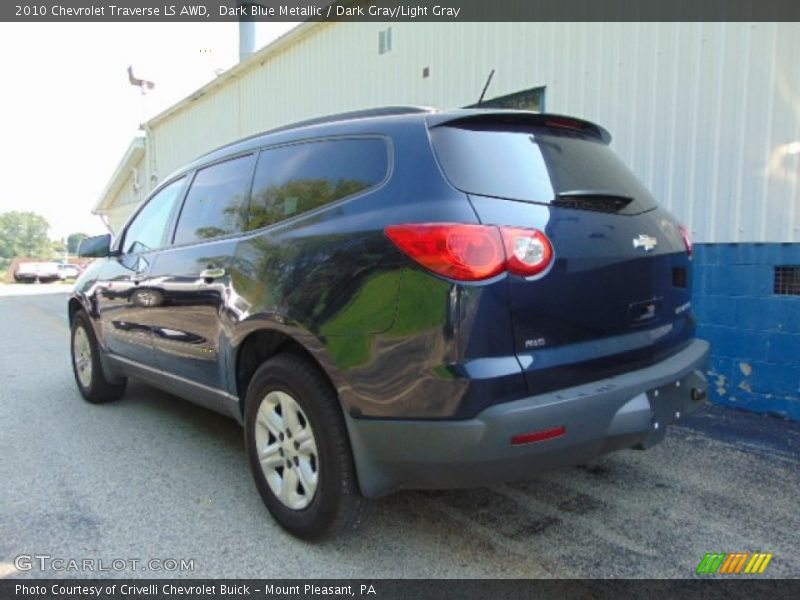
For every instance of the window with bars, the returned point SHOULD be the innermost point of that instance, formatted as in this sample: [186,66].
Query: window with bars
[787,280]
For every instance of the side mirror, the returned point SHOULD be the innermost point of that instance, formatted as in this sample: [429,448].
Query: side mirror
[98,246]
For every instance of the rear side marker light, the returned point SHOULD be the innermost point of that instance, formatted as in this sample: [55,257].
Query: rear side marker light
[538,436]
[687,240]
[473,252]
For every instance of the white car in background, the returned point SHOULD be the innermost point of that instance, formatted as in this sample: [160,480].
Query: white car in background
[42,272]
[68,271]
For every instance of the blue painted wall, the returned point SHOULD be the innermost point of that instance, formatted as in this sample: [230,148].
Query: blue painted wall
[754,333]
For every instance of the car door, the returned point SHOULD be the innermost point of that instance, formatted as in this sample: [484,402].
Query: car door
[122,295]
[191,278]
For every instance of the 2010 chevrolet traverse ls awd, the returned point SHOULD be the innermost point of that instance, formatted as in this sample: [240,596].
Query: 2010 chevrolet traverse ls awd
[401,298]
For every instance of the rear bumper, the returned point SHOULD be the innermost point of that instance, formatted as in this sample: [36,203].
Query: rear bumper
[628,410]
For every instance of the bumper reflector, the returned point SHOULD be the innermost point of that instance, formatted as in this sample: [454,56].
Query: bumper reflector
[538,436]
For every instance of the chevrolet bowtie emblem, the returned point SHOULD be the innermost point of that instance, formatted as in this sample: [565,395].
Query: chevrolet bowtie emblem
[645,241]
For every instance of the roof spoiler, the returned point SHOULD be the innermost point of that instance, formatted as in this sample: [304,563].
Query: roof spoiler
[518,117]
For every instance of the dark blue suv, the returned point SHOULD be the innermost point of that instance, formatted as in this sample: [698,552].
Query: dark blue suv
[401,298]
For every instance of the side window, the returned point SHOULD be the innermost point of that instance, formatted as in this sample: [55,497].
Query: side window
[146,231]
[216,203]
[290,180]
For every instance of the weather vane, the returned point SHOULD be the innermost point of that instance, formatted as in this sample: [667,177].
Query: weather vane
[143,84]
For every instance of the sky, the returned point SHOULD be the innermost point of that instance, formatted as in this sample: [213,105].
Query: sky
[69,112]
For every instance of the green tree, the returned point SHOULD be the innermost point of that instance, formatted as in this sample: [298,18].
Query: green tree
[74,240]
[23,234]
[276,203]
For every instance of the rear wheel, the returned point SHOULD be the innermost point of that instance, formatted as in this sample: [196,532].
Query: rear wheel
[89,375]
[299,450]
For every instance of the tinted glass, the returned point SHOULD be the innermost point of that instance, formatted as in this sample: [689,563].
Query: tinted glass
[216,203]
[534,165]
[146,231]
[294,179]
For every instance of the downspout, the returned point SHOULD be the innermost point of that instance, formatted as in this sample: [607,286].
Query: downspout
[247,34]
[150,153]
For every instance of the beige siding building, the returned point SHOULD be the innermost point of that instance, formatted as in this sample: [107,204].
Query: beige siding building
[707,114]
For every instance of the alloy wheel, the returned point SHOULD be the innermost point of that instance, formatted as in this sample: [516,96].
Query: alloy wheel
[82,356]
[287,450]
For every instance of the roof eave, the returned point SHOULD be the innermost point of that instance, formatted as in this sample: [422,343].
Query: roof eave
[133,155]
[279,45]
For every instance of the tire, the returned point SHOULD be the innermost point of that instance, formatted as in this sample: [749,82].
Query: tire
[308,483]
[86,365]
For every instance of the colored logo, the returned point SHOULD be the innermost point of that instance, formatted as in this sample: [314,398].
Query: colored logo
[736,563]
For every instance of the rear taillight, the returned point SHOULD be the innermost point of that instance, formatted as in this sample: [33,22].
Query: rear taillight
[686,239]
[464,252]
[528,251]
[473,252]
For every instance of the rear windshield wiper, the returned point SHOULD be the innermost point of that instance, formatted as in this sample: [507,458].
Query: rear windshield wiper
[592,200]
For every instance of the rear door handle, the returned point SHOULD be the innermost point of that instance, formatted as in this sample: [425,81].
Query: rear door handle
[212,273]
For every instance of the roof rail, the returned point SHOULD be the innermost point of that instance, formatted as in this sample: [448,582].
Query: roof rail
[383,111]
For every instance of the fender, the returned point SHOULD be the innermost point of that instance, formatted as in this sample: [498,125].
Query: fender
[80,301]
[312,344]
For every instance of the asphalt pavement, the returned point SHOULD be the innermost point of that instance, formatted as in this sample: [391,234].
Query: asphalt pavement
[153,477]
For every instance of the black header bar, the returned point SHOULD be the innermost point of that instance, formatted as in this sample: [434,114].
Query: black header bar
[393,589]
[144,11]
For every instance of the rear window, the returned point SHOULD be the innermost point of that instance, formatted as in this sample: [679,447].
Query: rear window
[536,164]
[291,180]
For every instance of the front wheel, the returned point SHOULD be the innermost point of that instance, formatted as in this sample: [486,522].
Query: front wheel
[299,450]
[86,365]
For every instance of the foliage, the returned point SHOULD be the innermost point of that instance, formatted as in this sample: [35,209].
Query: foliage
[23,234]
[276,203]
[420,307]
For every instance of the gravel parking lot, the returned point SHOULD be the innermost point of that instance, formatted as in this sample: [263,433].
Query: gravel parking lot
[155,477]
